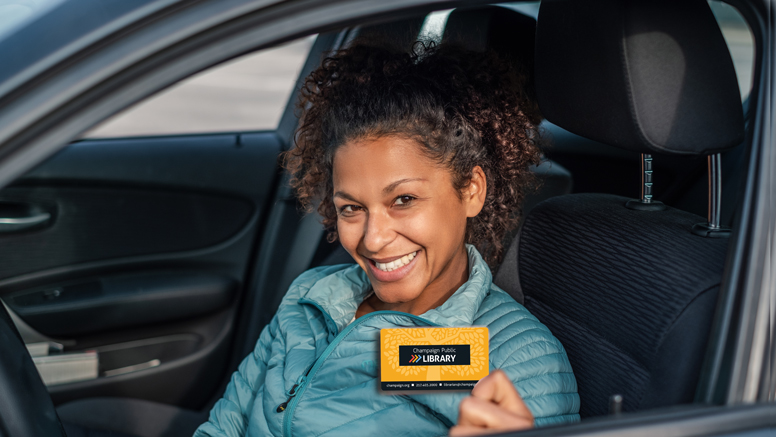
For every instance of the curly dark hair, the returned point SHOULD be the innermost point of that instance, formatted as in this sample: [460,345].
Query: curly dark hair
[463,108]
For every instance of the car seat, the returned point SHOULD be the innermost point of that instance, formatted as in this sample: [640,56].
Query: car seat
[631,294]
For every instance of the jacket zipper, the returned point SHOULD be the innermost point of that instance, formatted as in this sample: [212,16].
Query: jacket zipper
[291,393]
[296,391]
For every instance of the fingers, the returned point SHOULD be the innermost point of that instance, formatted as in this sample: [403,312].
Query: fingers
[467,430]
[471,431]
[498,389]
[480,413]
[494,406]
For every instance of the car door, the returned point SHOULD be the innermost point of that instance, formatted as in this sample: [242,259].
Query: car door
[125,255]
[168,236]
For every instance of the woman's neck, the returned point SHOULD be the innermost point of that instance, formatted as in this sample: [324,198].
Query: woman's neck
[454,275]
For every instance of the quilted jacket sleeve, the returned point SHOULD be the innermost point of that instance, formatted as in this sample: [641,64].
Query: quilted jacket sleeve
[229,416]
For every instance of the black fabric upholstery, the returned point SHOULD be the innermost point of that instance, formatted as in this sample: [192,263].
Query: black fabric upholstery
[508,276]
[630,294]
[600,367]
[555,180]
[120,417]
[645,75]
[676,343]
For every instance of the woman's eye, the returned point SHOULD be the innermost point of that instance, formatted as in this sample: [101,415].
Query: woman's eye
[349,209]
[404,200]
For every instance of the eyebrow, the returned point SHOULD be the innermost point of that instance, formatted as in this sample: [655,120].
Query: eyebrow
[386,190]
[393,186]
[344,195]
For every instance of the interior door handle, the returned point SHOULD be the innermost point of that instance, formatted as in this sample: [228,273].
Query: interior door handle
[17,216]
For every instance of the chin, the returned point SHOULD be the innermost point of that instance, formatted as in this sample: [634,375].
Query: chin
[391,297]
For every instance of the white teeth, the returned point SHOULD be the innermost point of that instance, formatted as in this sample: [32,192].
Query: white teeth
[397,263]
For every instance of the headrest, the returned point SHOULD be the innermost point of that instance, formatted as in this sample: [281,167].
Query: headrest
[510,33]
[644,75]
[505,30]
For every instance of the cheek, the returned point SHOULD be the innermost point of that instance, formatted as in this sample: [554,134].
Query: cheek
[418,228]
[349,234]
[440,226]
[449,221]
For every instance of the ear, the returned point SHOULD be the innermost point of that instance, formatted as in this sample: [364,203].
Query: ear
[474,193]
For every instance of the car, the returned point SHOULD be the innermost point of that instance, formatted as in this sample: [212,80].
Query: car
[139,269]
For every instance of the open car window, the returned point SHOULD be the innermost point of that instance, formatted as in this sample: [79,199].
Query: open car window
[249,93]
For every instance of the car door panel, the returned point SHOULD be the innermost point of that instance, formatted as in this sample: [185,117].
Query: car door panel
[133,201]
[142,258]
[190,355]
[227,163]
[120,301]
[93,224]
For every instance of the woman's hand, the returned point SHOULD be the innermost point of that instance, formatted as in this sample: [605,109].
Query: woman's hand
[494,406]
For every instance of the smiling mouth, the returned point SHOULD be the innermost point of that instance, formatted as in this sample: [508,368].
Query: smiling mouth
[397,263]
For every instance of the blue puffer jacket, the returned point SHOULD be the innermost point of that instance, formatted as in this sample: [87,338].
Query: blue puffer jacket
[327,369]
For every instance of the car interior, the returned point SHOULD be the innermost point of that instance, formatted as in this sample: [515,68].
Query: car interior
[139,271]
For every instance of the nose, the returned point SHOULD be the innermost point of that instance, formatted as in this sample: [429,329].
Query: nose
[378,232]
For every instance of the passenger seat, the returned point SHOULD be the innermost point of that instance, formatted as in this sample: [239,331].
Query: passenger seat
[630,293]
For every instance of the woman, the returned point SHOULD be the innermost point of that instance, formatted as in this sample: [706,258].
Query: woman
[419,161]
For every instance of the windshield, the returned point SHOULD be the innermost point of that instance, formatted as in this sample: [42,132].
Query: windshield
[14,14]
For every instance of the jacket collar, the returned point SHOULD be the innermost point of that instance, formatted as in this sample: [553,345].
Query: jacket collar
[338,295]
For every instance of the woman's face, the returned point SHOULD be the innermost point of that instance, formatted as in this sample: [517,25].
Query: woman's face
[402,220]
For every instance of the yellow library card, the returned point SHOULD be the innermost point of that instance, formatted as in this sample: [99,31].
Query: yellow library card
[432,358]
